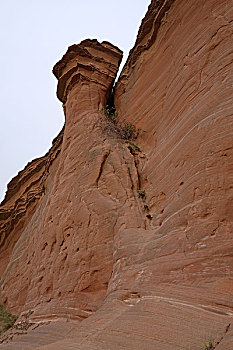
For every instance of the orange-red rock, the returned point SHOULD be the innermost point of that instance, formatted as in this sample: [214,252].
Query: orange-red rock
[138,242]
[62,261]
[23,195]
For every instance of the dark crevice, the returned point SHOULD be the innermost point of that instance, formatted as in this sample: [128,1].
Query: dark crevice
[63,241]
[138,173]
[225,333]
[131,180]
[110,101]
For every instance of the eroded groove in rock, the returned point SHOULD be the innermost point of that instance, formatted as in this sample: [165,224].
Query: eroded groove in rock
[105,156]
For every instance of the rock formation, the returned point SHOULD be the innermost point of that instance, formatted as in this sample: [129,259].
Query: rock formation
[22,197]
[132,238]
[54,262]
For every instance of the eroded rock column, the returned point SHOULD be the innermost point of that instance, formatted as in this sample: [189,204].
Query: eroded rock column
[61,264]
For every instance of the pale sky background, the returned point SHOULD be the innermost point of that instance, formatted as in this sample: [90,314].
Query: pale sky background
[34,34]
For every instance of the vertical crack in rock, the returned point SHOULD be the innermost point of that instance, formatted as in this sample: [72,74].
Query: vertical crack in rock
[225,334]
[138,173]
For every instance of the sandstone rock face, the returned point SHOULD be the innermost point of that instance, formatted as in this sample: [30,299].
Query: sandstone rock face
[136,239]
[176,87]
[62,261]
[23,195]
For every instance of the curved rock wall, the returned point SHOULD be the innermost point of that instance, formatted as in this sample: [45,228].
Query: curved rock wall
[178,92]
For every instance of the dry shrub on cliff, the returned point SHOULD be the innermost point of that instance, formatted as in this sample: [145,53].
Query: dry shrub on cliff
[6,319]
[126,131]
[111,114]
[129,131]
[210,345]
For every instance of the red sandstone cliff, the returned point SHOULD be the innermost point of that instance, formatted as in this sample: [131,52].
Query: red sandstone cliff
[54,262]
[135,242]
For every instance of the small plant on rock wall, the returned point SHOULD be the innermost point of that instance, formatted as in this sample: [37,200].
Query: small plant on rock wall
[6,319]
[142,194]
[129,131]
[210,345]
[126,131]
[111,114]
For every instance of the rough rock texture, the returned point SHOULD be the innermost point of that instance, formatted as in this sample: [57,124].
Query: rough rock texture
[137,242]
[24,192]
[62,261]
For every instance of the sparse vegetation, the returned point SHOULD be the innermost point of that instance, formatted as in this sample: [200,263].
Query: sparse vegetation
[142,194]
[129,131]
[111,114]
[27,314]
[210,345]
[7,320]
[126,131]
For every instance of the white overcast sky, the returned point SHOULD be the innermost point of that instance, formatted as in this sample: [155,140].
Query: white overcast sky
[34,34]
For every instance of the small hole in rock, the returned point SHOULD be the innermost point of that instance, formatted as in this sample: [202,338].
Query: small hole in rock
[45,245]
[131,149]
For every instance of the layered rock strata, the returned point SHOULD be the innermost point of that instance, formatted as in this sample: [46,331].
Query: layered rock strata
[62,260]
[24,193]
[141,233]
[176,87]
